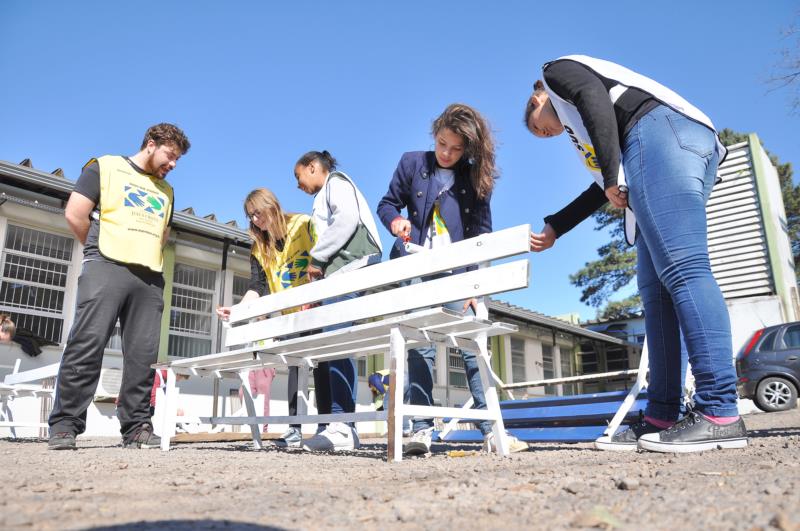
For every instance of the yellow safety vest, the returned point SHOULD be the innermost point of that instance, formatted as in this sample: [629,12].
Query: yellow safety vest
[288,268]
[134,211]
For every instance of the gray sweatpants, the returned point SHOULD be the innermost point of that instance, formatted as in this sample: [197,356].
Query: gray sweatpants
[107,291]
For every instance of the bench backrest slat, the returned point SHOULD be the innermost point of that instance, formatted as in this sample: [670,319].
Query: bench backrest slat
[485,281]
[483,248]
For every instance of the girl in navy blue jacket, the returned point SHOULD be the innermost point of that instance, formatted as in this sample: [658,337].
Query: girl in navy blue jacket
[446,193]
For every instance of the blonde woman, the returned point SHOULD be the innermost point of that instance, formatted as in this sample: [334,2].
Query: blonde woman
[279,260]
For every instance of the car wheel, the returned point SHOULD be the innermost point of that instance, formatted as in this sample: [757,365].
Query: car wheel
[775,394]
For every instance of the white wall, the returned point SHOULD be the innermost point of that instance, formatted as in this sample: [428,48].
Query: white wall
[750,314]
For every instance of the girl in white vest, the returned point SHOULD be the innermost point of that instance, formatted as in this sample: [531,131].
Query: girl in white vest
[656,155]
[346,239]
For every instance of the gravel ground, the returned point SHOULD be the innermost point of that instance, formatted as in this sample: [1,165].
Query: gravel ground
[228,485]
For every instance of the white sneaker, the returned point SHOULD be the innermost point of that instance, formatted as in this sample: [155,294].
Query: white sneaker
[337,437]
[291,438]
[420,443]
[514,444]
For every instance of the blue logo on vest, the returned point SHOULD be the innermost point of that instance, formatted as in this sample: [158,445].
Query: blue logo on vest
[293,270]
[138,198]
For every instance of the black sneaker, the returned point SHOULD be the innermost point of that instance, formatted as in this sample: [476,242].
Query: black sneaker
[695,433]
[62,440]
[143,437]
[625,440]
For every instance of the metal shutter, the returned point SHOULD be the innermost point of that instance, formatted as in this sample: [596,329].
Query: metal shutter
[737,244]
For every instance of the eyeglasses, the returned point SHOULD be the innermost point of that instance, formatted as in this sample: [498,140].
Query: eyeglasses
[255,214]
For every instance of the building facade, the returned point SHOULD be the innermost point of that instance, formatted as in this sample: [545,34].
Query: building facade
[206,264]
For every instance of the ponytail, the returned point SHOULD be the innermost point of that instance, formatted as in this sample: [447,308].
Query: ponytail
[325,159]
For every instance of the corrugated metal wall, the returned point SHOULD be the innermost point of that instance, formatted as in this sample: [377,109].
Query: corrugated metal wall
[736,241]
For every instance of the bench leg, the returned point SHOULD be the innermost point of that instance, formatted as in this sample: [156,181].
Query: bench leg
[627,403]
[451,425]
[169,411]
[8,416]
[397,367]
[492,400]
[255,429]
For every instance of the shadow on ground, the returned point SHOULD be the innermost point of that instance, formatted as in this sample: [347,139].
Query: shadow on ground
[186,525]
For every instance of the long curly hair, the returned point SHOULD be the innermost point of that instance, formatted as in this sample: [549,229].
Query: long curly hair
[478,143]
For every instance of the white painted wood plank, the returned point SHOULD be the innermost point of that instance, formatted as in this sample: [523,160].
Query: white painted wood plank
[486,281]
[40,373]
[446,412]
[486,247]
[362,416]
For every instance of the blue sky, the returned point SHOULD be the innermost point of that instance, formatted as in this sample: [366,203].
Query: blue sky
[257,84]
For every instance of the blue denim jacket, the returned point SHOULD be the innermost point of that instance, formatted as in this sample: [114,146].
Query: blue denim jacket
[412,188]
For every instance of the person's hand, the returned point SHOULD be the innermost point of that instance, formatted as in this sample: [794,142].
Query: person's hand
[541,241]
[618,198]
[313,272]
[471,302]
[401,226]
[224,312]
[308,306]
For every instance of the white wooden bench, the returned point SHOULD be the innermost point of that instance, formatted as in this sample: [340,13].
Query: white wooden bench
[391,316]
[18,385]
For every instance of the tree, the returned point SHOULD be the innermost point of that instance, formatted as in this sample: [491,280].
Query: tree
[600,279]
[788,69]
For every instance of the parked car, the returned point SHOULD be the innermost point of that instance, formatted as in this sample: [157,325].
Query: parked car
[768,367]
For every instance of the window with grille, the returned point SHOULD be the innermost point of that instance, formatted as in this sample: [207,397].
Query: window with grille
[239,288]
[566,370]
[588,359]
[547,362]
[192,311]
[517,359]
[456,374]
[616,359]
[361,367]
[548,369]
[35,267]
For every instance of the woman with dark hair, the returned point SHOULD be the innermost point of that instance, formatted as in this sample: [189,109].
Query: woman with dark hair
[653,153]
[446,193]
[346,239]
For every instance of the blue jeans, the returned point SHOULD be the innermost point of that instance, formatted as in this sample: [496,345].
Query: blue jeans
[419,390]
[671,164]
[340,374]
